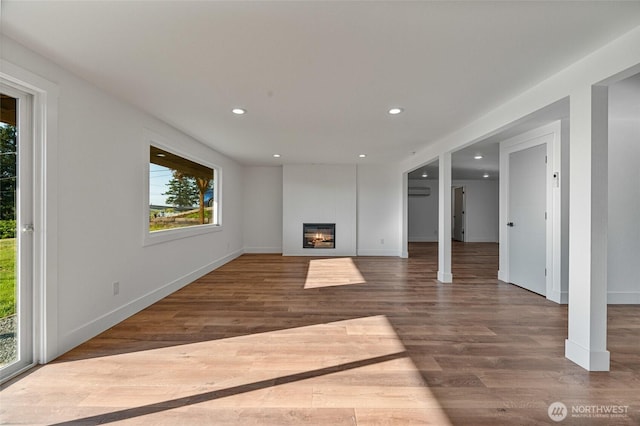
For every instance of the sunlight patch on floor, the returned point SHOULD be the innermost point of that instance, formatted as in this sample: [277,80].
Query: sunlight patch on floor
[356,366]
[332,272]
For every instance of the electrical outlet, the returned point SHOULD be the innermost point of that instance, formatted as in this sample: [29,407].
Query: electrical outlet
[116,288]
[381,240]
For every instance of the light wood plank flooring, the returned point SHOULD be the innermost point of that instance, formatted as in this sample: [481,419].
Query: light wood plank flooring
[272,340]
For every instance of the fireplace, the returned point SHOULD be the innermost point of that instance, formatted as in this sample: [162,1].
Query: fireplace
[319,235]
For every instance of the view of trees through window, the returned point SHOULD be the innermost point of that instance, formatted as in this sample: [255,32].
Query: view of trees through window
[9,284]
[181,192]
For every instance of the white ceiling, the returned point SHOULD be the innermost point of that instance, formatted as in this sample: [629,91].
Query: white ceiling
[316,77]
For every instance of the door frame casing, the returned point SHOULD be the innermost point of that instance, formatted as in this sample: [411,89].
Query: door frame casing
[464,208]
[44,115]
[550,135]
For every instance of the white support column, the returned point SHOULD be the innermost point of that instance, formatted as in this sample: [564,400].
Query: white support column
[444,219]
[587,342]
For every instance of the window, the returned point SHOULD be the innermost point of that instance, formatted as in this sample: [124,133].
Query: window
[182,193]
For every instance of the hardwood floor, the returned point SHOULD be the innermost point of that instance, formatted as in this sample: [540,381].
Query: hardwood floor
[272,340]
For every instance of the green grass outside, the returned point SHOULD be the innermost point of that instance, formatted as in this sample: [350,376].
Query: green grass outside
[160,226]
[7,277]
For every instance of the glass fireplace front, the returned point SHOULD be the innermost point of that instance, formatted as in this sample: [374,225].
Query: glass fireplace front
[318,235]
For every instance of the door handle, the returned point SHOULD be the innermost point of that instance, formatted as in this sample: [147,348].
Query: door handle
[27,228]
[510,224]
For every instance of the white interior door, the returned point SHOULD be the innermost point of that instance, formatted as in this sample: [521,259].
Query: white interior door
[458,214]
[526,224]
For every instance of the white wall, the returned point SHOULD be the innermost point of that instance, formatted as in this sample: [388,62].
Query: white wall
[379,210]
[481,211]
[623,269]
[262,222]
[423,213]
[101,158]
[319,194]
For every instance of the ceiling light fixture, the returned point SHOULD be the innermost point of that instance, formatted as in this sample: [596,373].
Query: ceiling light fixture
[424,175]
[486,175]
[395,111]
[478,156]
[276,155]
[160,155]
[362,155]
[239,111]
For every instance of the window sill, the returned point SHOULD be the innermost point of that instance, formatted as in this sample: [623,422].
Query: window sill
[158,237]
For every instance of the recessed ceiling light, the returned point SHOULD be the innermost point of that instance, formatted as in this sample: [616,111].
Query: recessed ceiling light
[238,111]
[486,175]
[160,155]
[425,175]
[478,156]
[276,155]
[395,111]
[362,155]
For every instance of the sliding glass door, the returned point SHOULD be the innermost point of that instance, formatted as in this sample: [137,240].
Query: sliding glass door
[16,232]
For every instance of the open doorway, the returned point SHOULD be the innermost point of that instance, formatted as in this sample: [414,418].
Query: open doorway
[422,211]
[457,212]
[623,239]
[474,245]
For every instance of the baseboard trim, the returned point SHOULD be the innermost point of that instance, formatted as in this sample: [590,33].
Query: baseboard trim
[93,328]
[375,252]
[586,358]
[321,252]
[623,297]
[263,250]
[445,277]
[560,297]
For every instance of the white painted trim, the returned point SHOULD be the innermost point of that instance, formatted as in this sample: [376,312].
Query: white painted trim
[45,132]
[150,238]
[464,209]
[561,297]
[404,223]
[324,252]
[623,297]
[265,250]
[444,218]
[589,360]
[445,277]
[548,135]
[379,252]
[104,322]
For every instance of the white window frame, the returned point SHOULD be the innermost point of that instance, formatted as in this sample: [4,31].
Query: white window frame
[45,271]
[157,237]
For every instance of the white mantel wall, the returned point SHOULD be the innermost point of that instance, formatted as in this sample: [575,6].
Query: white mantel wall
[319,194]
